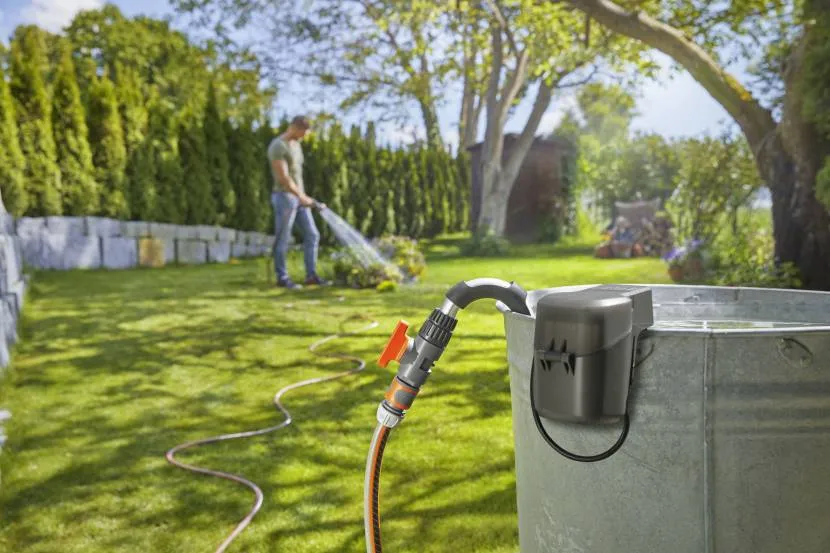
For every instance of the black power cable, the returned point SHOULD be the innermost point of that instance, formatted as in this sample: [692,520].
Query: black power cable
[564,452]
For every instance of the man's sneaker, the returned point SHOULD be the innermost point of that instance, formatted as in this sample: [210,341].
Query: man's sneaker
[288,283]
[316,281]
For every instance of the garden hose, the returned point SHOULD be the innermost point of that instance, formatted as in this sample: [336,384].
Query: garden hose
[361,364]
[416,357]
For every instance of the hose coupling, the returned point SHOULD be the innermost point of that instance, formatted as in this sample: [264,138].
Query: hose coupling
[416,357]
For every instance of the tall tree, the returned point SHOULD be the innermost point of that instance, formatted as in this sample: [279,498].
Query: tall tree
[201,203]
[246,178]
[109,155]
[80,190]
[216,145]
[395,54]
[532,45]
[139,170]
[34,121]
[790,149]
[170,196]
[12,164]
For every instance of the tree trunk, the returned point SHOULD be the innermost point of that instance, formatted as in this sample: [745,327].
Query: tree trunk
[801,224]
[495,196]
[789,164]
[788,155]
[431,126]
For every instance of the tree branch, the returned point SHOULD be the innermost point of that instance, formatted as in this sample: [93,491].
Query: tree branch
[497,13]
[515,81]
[755,121]
[519,152]
[584,81]
[493,86]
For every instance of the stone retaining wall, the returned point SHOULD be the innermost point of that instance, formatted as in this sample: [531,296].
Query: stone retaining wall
[12,285]
[64,243]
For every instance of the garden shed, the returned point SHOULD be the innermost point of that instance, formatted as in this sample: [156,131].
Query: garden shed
[539,195]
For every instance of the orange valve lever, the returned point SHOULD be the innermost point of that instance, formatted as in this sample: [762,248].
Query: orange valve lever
[396,346]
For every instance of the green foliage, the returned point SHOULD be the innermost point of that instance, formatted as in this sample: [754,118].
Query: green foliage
[611,164]
[34,121]
[12,163]
[171,199]
[405,253]
[246,177]
[815,75]
[387,286]
[142,185]
[216,144]
[717,177]
[485,244]
[201,203]
[406,263]
[349,272]
[746,258]
[823,184]
[80,190]
[140,169]
[109,155]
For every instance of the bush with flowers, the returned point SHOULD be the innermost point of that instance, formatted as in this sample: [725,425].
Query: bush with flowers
[687,263]
[405,264]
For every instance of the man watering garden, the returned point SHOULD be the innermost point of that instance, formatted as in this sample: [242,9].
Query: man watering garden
[291,203]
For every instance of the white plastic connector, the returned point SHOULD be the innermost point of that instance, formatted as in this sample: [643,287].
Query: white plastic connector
[387,419]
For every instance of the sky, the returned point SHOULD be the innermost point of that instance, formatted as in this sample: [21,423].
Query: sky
[672,107]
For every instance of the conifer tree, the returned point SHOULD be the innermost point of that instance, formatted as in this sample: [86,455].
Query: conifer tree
[12,162]
[245,177]
[463,184]
[264,135]
[442,162]
[34,122]
[80,190]
[140,168]
[427,185]
[201,204]
[170,201]
[403,211]
[417,193]
[381,188]
[216,146]
[109,155]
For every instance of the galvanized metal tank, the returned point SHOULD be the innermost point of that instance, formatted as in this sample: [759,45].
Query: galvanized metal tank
[729,444]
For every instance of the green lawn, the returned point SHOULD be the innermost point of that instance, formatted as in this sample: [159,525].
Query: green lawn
[116,368]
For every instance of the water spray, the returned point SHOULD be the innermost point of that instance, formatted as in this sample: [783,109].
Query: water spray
[584,344]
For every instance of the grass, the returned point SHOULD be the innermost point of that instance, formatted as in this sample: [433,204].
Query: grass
[116,368]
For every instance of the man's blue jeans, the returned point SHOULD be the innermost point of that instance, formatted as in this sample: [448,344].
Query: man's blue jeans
[287,210]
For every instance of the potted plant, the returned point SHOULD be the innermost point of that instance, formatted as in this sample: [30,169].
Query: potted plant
[686,263]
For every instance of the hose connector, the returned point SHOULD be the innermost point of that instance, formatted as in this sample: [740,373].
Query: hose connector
[417,355]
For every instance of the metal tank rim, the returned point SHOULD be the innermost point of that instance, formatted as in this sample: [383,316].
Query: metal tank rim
[702,295]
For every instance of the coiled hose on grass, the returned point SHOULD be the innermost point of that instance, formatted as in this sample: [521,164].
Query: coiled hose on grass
[361,364]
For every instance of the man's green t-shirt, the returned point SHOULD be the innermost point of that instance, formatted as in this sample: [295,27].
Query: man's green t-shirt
[292,153]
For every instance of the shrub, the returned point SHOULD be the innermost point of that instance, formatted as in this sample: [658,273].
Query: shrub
[747,259]
[485,244]
[387,286]
[406,263]
[403,252]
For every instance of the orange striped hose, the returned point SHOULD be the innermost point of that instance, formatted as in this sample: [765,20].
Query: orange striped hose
[372,489]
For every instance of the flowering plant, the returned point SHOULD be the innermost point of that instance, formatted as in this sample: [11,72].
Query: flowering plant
[679,255]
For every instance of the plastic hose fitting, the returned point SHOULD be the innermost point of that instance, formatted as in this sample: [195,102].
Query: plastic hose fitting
[416,357]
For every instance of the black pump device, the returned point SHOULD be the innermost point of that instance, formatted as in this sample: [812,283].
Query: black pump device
[584,345]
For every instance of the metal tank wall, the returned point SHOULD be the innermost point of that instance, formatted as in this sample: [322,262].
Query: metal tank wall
[729,442]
